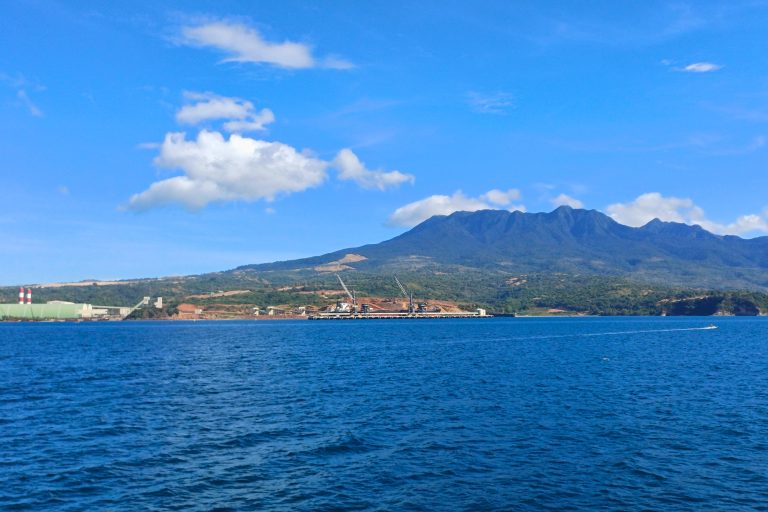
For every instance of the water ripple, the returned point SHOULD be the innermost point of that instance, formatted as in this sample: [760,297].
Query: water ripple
[503,414]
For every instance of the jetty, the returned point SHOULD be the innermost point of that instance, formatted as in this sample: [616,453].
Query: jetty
[397,316]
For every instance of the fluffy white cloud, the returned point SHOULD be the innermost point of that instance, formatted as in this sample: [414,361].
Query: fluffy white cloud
[419,211]
[674,209]
[240,114]
[751,223]
[654,206]
[241,168]
[220,169]
[245,44]
[701,67]
[351,168]
[566,200]
[501,197]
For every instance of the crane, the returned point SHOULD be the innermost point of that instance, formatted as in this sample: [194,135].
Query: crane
[408,296]
[351,294]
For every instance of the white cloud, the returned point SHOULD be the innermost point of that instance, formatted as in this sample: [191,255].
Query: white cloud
[240,114]
[251,124]
[351,168]
[566,200]
[751,223]
[501,197]
[653,205]
[701,67]
[220,169]
[335,62]
[241,168]
[245,44]
[490,103]
[419,211]
[21,85]
[33,109]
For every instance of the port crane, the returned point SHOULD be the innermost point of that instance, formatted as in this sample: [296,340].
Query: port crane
[408,296]
[351,294]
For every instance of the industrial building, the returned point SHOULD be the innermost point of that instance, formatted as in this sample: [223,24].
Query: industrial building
[53,311]
[61,310]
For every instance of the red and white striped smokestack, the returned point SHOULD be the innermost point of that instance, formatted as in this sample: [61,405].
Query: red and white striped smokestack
[21,295]
[29,295]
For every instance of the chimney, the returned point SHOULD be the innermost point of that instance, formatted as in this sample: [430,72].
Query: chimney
[29,295]
[21,295]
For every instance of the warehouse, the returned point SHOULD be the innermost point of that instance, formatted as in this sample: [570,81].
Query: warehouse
[60,310]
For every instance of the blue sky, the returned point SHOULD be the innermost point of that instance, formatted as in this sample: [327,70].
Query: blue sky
[165,138]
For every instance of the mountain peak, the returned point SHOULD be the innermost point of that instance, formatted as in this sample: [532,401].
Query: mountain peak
[676,229]
[566,240]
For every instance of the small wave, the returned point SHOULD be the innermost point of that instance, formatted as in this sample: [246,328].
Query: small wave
[344,445]
[646,331]
[591,334]
[253,439]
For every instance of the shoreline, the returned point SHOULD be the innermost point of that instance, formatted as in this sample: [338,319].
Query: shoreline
[404,317]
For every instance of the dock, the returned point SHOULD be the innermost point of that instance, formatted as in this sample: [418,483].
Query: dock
[416,311]
[394,316]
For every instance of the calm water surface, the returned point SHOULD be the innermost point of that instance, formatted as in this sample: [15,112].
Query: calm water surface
[500,414]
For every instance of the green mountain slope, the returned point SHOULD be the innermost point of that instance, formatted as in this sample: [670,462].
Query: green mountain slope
[565,240]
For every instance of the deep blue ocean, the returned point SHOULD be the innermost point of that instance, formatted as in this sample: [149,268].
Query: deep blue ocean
[495,414]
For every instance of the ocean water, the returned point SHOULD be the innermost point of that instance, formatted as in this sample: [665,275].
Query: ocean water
[498,414]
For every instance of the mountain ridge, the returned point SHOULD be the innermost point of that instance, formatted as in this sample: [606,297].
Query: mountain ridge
[564,240]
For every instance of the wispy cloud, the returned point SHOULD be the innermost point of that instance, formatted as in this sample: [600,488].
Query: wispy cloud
[751,114]
[656,24]
[755,144]
[700,67]
[566,200]
[242,43]
[490,103]
[21,85]
[694,67]
[703,143]
[33,109]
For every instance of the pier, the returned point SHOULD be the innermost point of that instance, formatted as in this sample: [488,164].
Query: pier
[395,316]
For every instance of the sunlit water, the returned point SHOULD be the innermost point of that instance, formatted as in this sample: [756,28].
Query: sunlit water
[512,414]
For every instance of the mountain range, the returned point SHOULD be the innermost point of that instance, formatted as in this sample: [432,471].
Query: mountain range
[566,240]
[569,259]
